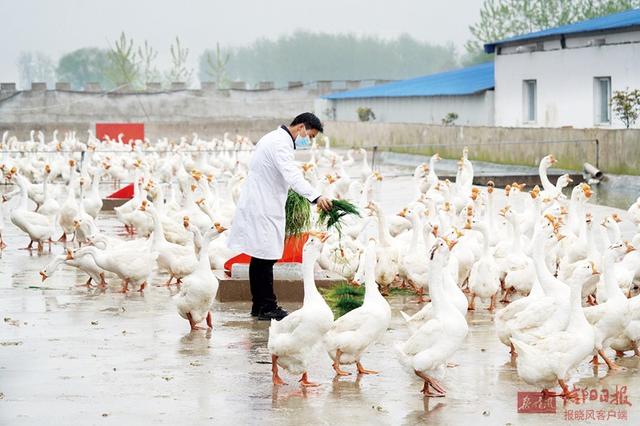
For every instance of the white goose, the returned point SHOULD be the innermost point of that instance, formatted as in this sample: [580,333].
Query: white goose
[292,339]
[132,265]
[353,332]
[387,251]
[451,290]
[93,202]
[611,318]
[178,260]
[484,279]
[547,313]
[427,351]
[200,287]
[69,209]
[553,357]
[36,225]
[85,264]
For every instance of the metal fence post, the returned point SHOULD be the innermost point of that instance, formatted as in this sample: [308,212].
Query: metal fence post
[373,157]
[597,154]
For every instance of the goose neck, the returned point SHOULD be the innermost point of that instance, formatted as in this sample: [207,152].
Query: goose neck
[608,271]
[416,230]
[436,291]
[158,231]
[576,316]
[517,236]
[310,291]
[544,179]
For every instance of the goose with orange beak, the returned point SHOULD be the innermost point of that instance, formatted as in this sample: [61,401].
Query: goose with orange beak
[429,348]
[292,338]
[84,264]
[355,331]
[196,297]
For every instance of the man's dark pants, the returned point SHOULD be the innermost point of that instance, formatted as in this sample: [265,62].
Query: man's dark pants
[261,283]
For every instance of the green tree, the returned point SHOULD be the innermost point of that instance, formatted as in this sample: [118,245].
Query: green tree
[84,66]
[306,56]
[35,67]
[626,106]
[179,57]
[500,19]
[365,114]
[217,68]
[123,63]
[147,56]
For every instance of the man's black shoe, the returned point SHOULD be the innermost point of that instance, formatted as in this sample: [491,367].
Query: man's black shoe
[277,314]
[255,311]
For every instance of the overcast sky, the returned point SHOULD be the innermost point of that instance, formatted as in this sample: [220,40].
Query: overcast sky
[57,27]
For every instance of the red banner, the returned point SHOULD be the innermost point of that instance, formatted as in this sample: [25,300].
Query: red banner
[130,131]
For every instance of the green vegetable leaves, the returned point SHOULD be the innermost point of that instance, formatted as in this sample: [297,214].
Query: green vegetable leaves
[333,218]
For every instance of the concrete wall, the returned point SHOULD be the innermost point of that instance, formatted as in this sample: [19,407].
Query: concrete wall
[619,150]
[253,128]
[565,78]
[476,110]
[52,106]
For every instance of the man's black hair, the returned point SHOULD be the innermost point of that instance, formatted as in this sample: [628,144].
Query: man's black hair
[309,120]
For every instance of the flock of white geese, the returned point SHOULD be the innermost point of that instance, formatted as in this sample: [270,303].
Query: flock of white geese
[565,283]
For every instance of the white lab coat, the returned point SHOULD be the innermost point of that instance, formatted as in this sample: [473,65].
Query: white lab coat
[259,222]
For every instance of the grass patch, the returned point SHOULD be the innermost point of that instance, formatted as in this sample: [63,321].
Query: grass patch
[343,298]
[394,291]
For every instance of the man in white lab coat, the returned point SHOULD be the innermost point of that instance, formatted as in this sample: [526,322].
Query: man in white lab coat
[259,223]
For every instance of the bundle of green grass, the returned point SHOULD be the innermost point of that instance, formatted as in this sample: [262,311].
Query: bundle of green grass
[298,215]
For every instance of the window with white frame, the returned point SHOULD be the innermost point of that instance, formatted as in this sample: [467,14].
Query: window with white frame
[602,100]
[529,97]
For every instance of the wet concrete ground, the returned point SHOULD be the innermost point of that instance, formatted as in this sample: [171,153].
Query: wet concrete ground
[69,355]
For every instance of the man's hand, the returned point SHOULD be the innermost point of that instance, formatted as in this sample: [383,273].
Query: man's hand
[324,203]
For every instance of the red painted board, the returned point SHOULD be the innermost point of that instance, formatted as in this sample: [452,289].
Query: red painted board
[130,131]
[125,192]
[292,252]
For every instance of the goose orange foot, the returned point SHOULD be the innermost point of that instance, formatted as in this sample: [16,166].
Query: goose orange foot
[336,365]
[192,323]
[274,370]
[362,370]
[612,365]
[566,393]
[304,381]
[433,383]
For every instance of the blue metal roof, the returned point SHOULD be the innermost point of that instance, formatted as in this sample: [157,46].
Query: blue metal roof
[629,18]
[463,81]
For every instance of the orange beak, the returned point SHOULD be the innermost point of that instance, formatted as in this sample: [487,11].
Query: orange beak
[219,228]
[43,275]
[322,236]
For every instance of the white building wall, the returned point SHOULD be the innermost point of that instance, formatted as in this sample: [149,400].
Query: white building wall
[475,110]
[565,79]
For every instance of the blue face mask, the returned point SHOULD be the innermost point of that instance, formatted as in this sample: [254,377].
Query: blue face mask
[303,142]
